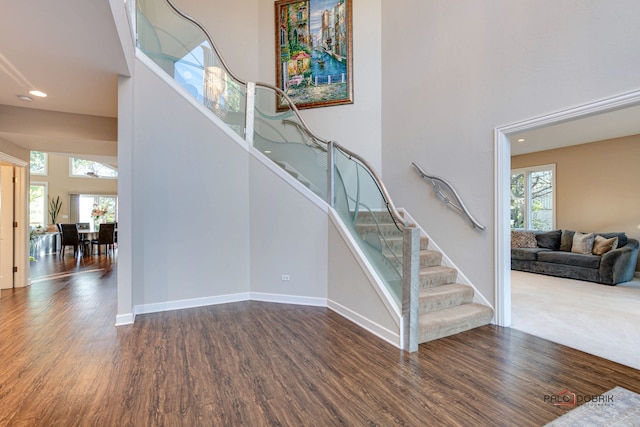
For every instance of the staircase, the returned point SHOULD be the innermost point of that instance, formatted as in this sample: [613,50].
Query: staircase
[333,172]
[446,307]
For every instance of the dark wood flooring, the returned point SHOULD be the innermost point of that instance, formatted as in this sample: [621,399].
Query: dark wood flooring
[64,363]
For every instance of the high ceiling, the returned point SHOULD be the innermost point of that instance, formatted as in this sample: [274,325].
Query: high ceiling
[70,50]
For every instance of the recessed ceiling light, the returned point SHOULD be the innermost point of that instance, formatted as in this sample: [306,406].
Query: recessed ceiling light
[521,140]
[24,98]
[37,93]
[267,151]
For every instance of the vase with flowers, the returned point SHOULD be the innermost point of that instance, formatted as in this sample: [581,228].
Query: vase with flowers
[98,214]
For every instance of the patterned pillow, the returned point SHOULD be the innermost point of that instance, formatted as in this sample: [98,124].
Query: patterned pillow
[603,245]
[582,243]
[523,239]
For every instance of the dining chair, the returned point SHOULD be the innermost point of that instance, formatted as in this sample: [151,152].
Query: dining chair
[106,236]
[71,237]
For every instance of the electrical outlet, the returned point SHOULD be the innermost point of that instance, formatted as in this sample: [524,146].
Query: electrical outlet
[285,277]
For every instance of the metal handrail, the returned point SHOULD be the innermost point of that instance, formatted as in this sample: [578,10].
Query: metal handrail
[399,219]
[436,182]
[353,156]
[209,39]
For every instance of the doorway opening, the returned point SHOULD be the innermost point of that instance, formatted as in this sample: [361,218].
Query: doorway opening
[502,184]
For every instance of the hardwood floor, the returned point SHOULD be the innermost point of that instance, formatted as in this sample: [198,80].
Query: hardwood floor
[255,364]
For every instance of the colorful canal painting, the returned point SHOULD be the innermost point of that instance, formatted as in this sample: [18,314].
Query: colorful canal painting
[314,52]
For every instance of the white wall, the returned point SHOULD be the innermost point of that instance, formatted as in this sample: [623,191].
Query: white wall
[288,236]
[190,234]
[454,71]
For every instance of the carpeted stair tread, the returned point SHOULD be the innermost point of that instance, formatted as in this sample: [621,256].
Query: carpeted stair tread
[450,321]
[428,258]
[445,296]
[437,275]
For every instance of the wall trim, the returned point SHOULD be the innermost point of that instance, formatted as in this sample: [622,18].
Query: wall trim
[125,319]
[13,160]
[502,172]
[190,303]
[288,299]
[381,332]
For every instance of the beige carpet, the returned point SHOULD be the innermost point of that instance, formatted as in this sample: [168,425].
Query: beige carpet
[597,319]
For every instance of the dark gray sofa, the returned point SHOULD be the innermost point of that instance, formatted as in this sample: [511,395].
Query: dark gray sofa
[611,268]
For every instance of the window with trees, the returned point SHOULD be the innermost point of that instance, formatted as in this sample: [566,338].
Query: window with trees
[97,209]
[38,163]
[89,168]
[38,204]
[533,198]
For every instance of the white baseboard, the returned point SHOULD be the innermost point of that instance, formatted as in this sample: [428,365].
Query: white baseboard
[288,299]
[125,319]
[216,300]
[190,303]
[381,332]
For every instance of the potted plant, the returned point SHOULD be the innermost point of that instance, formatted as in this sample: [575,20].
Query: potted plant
[54,211]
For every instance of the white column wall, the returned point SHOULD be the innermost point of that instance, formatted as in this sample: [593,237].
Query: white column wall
[454,71]
[190,231]
[288,237]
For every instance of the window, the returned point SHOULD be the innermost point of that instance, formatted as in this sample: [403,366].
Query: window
[38,163]
[533,198]
[88,203]
[38,204]
[89,168]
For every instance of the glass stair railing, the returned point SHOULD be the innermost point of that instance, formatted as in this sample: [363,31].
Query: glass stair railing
[181,47]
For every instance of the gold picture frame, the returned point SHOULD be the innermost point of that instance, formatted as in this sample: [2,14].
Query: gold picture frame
[314,52]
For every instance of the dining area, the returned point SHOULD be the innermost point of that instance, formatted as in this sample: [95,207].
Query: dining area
[87,240]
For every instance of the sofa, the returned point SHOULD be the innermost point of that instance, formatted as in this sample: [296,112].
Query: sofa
[606,258]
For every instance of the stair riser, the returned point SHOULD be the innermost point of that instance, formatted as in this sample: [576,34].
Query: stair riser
[385,230]
[440,302]
[438,278]
[426,260]
[379,217]
[454,326]
[396,244]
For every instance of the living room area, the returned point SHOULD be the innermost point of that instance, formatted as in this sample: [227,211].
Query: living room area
[567,296]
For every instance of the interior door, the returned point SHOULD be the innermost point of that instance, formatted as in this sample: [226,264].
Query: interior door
[6,226]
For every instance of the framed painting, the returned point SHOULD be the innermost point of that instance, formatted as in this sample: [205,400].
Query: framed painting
[314,54]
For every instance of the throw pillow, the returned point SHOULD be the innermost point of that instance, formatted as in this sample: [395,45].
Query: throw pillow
[582,243]
[602,245]
[566,240]
[523,239]
[549,239]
